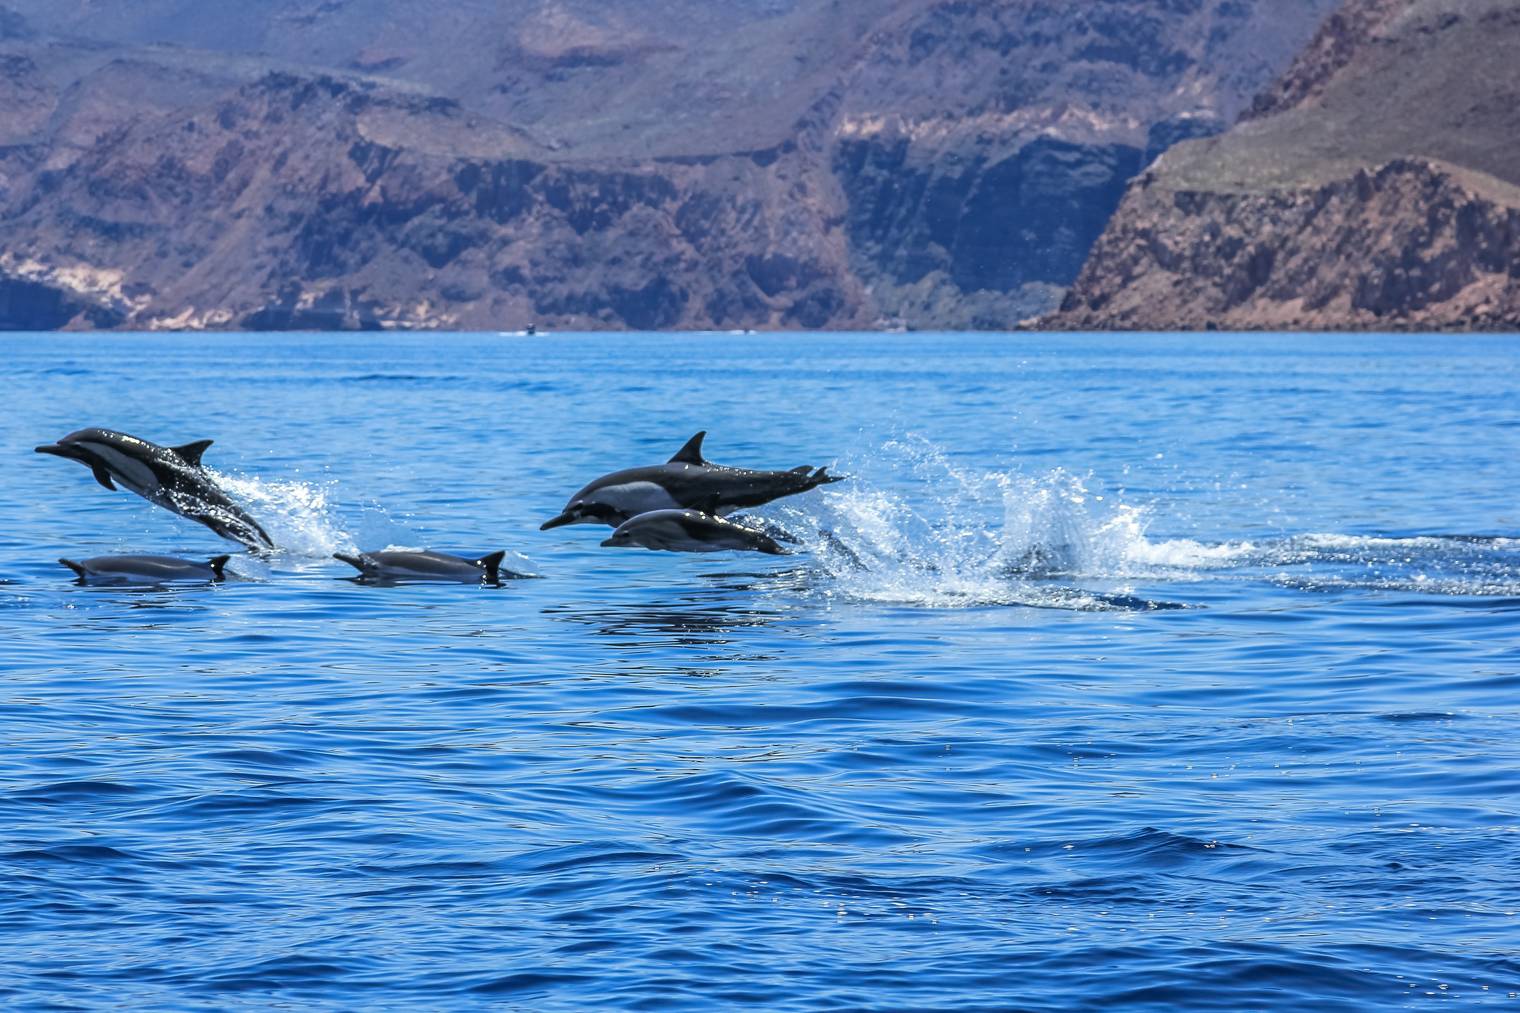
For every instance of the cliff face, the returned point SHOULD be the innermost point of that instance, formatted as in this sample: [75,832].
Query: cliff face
[1377,185]
[664,163]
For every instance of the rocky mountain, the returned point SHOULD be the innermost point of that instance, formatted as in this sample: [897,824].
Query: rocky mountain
[1375,185]
[649,164]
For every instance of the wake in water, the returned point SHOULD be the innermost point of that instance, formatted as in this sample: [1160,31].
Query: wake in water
[915,528]
[964,538]
[299,516]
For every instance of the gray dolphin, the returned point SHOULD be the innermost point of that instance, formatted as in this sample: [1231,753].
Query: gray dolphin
[382,567]
[145,569]
[171,477]
[686,481]
[690,531]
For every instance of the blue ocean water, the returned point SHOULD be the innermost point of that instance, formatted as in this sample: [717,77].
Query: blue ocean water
[1142,672]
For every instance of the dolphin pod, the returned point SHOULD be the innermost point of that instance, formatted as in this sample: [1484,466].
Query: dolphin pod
[678,506]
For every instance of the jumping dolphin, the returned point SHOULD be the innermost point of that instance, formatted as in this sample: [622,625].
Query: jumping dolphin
[690,531]
[171,477]
[145,569]
[383,567]
[687,480]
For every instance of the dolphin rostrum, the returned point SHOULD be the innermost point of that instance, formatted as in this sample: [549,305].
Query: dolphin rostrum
[171,477]
[386,567]
[145,569]
[686,481]
[690,531]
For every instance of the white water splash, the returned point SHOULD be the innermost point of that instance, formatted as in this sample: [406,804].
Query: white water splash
[962,537]
[955,537]
[298,515]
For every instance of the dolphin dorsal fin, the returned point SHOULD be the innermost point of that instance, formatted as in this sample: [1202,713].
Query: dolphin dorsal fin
[76,567]
[216,563]
[191,452]
[692,452]
[492,563]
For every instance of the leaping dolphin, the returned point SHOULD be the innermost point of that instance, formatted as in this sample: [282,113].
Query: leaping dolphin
[686,481]
[690,531]
[385,567]
[171,477]
[145,569]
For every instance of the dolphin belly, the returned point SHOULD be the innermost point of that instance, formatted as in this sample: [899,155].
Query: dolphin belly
[128,472]
[634,498]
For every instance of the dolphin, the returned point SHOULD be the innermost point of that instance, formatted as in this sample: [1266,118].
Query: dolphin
[690,531]
[686,481]
[385,567]
[171,477]
[145,569]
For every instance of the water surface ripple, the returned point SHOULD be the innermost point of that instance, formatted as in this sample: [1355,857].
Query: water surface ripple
[1125,672]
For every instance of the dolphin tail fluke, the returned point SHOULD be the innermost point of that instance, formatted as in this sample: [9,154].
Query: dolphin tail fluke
[822,477]
[492,563]
[357,562]
[217,563]
[76,567]
[266,543]
[692,452]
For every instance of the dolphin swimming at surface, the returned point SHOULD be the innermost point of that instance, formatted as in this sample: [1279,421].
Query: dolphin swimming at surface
[382,567]
[686,481]
[145,569]
[171,477]
[690,531]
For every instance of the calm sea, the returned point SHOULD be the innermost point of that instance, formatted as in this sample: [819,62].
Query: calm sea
[1142,672]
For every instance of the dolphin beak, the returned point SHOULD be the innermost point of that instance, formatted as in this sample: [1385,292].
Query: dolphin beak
[56,449]
[565,518]
[610,543]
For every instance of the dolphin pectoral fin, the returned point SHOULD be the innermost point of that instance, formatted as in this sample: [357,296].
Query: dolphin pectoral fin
[558,522]
[77,568]
[492,563]
[216,564]
[692,452]
[191,452]
[103,477]
[708,505]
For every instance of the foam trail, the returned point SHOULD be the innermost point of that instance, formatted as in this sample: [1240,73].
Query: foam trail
[297,515]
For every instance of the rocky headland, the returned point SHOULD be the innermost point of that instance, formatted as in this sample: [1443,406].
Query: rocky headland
[1376,185]
[651,164]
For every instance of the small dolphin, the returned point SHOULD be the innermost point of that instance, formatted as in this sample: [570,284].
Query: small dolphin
[171,477]
[687,480]
[690,531]
[145,569]
[382,567]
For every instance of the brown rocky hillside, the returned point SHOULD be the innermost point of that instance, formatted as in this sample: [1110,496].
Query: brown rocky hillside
[647,164]
[1376,185]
